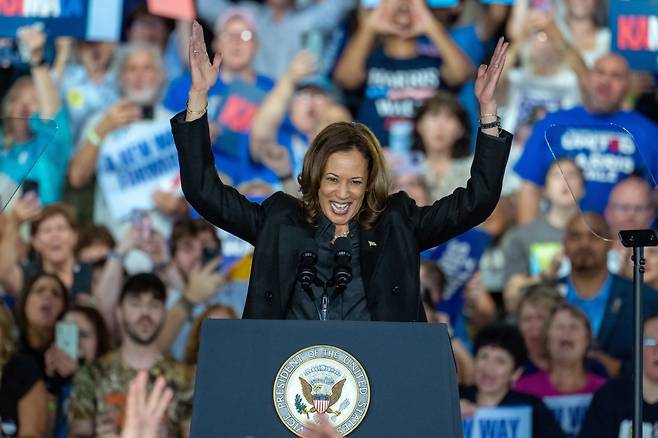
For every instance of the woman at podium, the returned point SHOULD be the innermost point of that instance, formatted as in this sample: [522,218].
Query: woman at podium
[345,249]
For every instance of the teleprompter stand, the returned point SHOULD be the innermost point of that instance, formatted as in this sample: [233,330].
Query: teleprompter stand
[638,240]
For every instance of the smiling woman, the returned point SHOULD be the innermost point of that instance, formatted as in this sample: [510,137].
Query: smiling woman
[344,175]
[345,216]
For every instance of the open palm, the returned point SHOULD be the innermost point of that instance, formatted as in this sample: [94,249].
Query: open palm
[488,75]
[204,74]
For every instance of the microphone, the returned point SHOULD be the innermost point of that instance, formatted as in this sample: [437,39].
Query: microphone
[342,263]
[306,271]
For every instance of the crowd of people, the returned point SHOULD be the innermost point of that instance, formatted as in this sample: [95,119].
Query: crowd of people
[95,230]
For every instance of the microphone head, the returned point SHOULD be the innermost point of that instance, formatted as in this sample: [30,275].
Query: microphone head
[308,257]
[309,248]
[343,248]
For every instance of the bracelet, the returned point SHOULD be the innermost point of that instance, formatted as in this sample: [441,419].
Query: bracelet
[94,138]
[115,255]
[482,116]
[495,124]
[187,305]
[196,113]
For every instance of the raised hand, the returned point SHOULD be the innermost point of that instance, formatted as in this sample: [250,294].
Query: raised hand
[321,430]
[27,208]
[204,74]
[144,411]
[302,65]
[203,283]
[277,158]
[34,39]
[120,114]
[380,19]
[487,78]
[422,20]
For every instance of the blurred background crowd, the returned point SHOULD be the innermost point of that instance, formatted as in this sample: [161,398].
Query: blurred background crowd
[99,246]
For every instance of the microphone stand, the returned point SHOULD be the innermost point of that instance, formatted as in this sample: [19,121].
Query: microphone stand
[638,240]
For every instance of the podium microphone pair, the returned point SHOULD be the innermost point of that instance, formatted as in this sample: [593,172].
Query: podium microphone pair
[307,271]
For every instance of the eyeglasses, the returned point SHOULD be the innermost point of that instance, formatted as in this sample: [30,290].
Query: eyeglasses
[650,342]
[244,36]
[630,208]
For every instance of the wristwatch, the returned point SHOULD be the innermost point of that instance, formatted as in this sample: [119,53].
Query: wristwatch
[188,306]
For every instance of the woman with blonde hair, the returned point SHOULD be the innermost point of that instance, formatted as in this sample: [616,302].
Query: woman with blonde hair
[23,395]
[345,204]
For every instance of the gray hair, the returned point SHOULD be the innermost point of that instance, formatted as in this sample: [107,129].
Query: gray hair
[130,49]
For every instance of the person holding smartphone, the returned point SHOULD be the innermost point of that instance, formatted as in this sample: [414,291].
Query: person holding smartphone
[35,134]
[128,180]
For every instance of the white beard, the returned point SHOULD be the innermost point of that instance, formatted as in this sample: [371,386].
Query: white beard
[145,96]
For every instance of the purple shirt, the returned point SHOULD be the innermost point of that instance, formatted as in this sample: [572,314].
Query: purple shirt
[539,384]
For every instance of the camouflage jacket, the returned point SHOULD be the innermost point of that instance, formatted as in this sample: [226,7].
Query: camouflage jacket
[100,390]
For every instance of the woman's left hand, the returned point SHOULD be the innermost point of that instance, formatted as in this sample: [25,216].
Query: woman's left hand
[487,79]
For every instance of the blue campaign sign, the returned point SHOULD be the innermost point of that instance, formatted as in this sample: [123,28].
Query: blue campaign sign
[501,422]
[83,19]
[634,27]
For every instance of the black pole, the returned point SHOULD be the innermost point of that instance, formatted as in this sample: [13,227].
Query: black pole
[638,239]
[638,339]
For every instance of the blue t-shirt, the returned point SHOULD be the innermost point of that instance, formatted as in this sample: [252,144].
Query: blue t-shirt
[394,90]
[467,39]
[593,307]
[605,154]
[459,259]
[231,109]
[44,158]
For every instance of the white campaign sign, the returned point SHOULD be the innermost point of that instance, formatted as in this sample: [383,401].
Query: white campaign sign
[135,162]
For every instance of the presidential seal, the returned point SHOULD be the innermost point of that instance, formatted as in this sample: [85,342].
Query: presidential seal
[321,380]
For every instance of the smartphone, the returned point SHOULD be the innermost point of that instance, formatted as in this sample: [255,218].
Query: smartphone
[67,335]
[313,42]
[147,112]
[142,223]
[30,186]
[210,254]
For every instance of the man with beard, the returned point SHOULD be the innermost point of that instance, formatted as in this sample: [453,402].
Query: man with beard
[606,298]
[592,135]
[130,151]
[99,390]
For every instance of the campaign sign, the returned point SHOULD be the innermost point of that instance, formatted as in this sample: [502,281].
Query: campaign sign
[84,19]
[634,26]
[569,411]
[501,422]
[134,163]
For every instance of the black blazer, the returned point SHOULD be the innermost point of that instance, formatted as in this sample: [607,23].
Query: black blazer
[390,250]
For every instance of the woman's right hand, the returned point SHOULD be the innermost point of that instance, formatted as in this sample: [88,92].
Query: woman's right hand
[204,74]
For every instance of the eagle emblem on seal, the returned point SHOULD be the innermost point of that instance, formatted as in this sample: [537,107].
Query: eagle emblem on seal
[322,395]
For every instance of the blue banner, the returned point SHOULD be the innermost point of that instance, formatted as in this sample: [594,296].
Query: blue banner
[501,422]
[82,19]
[634,27]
